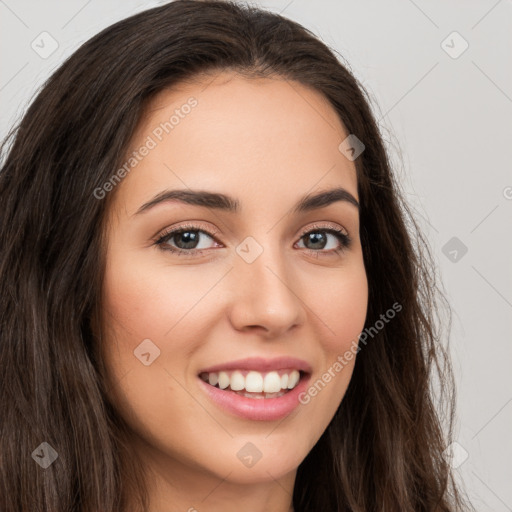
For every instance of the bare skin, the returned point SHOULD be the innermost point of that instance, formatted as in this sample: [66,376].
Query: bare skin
[266,143]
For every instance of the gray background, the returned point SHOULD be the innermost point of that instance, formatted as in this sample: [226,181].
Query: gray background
[446,119]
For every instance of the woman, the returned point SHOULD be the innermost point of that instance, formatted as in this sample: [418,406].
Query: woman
[210,296]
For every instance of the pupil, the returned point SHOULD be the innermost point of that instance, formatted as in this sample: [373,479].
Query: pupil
[187,237]
[317,237]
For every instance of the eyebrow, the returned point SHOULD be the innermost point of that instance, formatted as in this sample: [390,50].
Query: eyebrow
[226,203]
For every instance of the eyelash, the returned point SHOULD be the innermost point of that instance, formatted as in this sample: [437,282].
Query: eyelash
[344,239]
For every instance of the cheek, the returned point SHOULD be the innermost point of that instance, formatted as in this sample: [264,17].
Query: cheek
[139,305]
[342,312]
[341,306]
[145,300]
[149,300]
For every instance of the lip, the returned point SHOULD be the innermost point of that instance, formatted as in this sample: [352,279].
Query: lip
[258,409]
[261,364]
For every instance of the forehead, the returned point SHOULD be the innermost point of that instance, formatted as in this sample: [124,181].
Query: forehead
[271,137]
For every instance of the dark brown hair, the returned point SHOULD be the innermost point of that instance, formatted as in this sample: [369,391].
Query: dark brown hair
[382,451]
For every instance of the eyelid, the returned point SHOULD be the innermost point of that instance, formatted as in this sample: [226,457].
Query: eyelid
[214,231]
[192,226]
[324,225]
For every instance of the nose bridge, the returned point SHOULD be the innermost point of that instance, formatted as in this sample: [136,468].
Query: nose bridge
[265,294]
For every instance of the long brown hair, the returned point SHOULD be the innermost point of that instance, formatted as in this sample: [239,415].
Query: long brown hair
[382,451]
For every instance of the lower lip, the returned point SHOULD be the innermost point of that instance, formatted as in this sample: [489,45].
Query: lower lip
[259,409]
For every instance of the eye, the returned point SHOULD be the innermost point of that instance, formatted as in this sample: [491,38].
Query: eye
[318,240]
[187,240]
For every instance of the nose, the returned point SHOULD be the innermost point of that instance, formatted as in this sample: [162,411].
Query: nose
[265,295]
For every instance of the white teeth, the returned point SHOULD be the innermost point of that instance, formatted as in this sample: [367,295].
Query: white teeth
[272,383]
[293,379]
[237,381]
[213,378]
[223,380]
[262,395]
[254,382]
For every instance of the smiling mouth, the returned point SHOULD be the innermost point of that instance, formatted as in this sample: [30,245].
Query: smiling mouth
[253,384]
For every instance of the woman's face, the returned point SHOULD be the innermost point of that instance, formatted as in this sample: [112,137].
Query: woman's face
[267,281]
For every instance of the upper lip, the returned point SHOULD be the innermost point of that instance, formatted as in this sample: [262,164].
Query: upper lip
[261,364]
